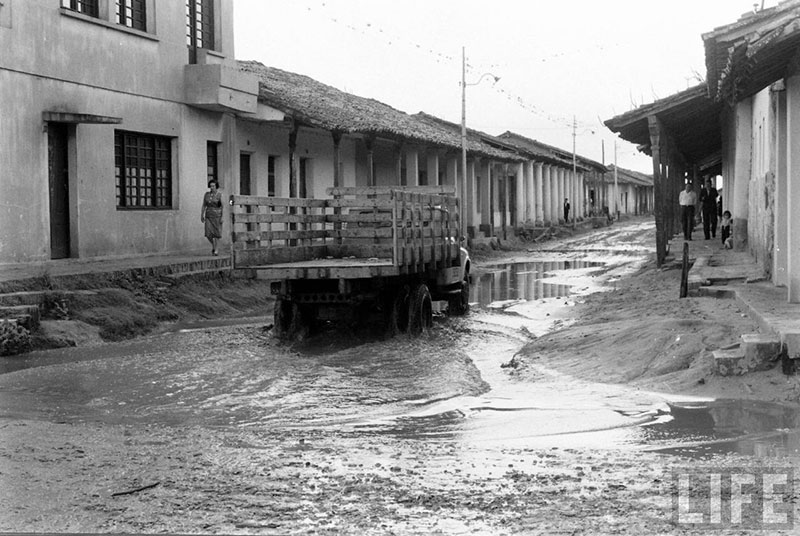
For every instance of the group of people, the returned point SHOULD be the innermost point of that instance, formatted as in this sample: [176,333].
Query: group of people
[710,208]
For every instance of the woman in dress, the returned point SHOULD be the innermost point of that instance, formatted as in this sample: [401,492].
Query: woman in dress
[211,214]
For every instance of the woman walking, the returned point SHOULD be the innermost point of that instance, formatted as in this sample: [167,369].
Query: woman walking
[211,214]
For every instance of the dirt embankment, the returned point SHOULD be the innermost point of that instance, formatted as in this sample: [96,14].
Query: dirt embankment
[117,307]
[641,333]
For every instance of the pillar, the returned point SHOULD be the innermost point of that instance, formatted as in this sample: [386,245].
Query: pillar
[547,206]
[452,172]
[538,172]
[781,246]
[412,167]
[520,198]
[432,167]
[792,188]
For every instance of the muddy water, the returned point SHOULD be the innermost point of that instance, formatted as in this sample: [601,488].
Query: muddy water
[450,385]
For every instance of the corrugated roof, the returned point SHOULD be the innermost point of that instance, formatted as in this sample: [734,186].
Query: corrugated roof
[748,55]
[314,104]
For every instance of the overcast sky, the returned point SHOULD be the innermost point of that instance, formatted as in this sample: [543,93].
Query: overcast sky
[556,60]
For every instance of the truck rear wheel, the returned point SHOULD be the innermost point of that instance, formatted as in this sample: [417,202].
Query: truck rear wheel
[291,321]
[398,312]
[458,304]
[420,310]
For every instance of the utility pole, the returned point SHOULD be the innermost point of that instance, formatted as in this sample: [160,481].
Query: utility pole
[461,185]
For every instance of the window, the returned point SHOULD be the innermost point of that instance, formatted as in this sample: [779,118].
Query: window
[132,13]
[143,170]
[212,167]
[199,26]
[87,7]
[271,176]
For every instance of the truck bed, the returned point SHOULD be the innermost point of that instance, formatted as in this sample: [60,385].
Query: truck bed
[357,233]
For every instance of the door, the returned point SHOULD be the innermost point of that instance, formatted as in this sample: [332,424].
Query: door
[58,171]
[244,174]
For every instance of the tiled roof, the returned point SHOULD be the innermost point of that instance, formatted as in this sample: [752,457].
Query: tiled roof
[319,105]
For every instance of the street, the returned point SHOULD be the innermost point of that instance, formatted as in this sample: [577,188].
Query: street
[224,429]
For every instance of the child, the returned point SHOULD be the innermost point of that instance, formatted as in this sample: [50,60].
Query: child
[725,229]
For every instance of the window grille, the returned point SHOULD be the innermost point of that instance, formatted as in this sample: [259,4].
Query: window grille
[132,13]
[87,7]
[143,170]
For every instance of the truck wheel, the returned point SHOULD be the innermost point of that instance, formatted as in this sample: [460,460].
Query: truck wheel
[420,310]
[458,304]
[398,314]
[290,320]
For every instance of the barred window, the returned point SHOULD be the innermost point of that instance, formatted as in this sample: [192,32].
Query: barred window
[143,170]
[132,13]
[87,7]
[199,26]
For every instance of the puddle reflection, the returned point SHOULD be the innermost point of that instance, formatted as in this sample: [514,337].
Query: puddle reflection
[749,427]
[522,281]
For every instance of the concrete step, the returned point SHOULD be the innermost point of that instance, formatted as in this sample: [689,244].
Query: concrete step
[761,351]
[729,362]
[757,351]
[26,315]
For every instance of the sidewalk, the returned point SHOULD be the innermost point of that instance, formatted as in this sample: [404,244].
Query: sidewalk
[719,273]
[13,276]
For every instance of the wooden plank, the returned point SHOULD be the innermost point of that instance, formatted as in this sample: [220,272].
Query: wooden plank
[361,202]
[245,200]
[377,190]
[246,258]
[279,217]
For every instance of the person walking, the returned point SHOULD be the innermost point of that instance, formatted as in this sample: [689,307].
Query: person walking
[211,214]
[566,210]
[687,200]
[708,204]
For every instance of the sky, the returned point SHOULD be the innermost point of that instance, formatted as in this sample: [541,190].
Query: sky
[565,66]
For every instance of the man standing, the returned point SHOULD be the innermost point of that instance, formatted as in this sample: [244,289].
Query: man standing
[566,210]
[708,204]
[687,201]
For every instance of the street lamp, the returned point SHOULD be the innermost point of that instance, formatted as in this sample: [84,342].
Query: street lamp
[463,182]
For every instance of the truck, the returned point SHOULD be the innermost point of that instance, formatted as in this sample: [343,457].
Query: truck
[394,251]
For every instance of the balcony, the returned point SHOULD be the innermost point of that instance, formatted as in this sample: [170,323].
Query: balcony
[220,87]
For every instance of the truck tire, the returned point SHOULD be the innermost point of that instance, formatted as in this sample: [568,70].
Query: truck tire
[398,312]
[458,304]
[420,310]
[290,320]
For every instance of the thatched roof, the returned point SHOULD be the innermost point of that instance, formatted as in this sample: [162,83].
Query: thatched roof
[475,138]
[318,105]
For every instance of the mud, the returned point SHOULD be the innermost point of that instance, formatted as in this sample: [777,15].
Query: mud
[534,414]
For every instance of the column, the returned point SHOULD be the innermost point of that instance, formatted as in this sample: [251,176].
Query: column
[432,167]
[562,173]
[520,198]
[412,167]
[538,188]
[547,206]
[470,197]
[485,186]
[792,188]
[781,247]
[452,171]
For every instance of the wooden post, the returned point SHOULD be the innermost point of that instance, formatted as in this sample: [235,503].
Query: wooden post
[369,143]
[658,184]
[685,271]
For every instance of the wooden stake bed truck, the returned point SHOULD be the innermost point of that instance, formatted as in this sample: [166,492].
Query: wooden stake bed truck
[389,249]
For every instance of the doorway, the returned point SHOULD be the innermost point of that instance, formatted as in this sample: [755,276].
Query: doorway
[58,178]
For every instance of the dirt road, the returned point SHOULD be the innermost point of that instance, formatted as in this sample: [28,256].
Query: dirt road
[532,415]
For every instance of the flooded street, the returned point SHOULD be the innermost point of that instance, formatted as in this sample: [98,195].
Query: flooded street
[347,432]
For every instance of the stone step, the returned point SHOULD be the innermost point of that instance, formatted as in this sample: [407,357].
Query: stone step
[729,362]
[761,351]
[26,315]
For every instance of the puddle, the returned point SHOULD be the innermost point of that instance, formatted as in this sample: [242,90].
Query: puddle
[528,281]
[749,427]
